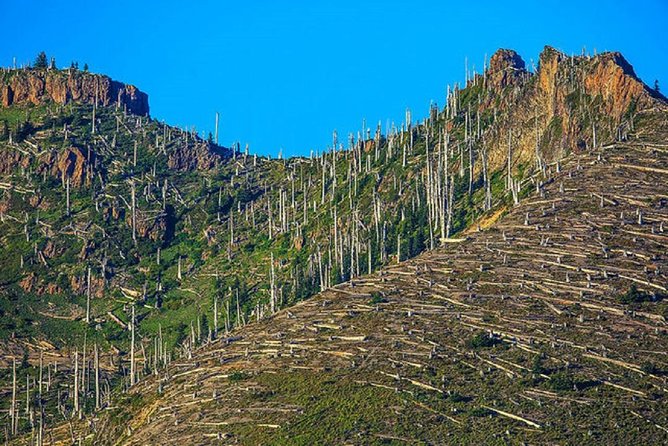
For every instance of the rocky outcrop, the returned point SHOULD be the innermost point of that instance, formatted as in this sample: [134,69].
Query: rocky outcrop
[32,284]
[613,78]
[506,67]
[33,86]
[79,285]
[561,105]
[198,155]
[10,160]
[149,225]
[608,77]
[71,163]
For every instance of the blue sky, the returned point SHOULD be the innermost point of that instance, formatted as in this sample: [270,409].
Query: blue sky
[283,75]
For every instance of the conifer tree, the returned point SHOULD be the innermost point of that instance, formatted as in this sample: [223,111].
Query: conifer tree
[41,60]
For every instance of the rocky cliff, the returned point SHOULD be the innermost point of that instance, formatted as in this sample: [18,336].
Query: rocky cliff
[38,86]
[569,103]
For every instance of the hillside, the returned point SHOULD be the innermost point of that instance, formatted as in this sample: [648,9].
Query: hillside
[107,213]
[546,327]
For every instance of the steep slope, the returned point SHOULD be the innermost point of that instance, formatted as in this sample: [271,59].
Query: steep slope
[523,332]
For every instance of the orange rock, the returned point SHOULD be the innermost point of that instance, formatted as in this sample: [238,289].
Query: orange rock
[71,164]
[506,67]
[63,86]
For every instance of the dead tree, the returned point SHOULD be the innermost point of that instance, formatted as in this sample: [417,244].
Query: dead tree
[97,377]
[14,420]
[76,382]
[273,286]
[88,297]
[132,347]
[134,213]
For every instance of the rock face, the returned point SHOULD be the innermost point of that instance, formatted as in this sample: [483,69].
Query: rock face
[71,163]
[9,160]
[33,86]
[198,155]
[613,78]
[608,77]
[561,106]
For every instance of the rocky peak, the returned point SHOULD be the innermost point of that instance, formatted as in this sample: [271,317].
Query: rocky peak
[506,67]
[39,86]
[561,105]
[607,76]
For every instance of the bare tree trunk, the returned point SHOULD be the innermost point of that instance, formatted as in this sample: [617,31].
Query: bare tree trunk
[273,286]
[398,248]
[509,178]
[88,297]
[215,316]
[488,188]
[134,214]
[448,225]
[13,406]
[132,347]
[238,310]
[41,372]
[97,378]
[76,382]
[67,192]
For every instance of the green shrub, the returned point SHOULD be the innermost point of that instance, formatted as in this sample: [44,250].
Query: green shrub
[377,298]
[237,376]
[651,368]
[561,381]
[634,295]
[483,340]
[480,412]
[537,365]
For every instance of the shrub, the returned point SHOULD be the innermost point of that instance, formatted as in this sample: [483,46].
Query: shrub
[561,381]
[483,340]
[377,298]
[537,365]
[634,295]
[480,412]
[238,376]
[456,397]
[650,368]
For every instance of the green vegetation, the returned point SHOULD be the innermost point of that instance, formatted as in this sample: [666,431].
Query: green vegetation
[635,296]
[41,61]
[377,298]
[238,376]
[483,340]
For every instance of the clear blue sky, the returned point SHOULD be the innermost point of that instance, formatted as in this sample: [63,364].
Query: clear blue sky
[284,74]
